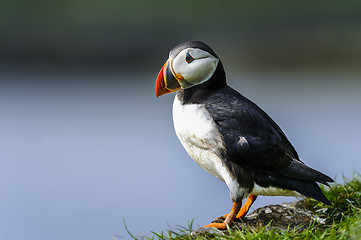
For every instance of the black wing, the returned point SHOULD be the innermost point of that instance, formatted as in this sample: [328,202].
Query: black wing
[253,140]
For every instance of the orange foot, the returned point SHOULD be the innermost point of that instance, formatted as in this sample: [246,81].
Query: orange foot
[236,209]
[220,226]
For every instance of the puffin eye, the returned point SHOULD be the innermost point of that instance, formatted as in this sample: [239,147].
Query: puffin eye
[189,58]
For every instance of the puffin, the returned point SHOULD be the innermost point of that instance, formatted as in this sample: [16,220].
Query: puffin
[229,136]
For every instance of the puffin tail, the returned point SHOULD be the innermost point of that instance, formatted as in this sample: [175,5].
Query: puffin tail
[314,191]
[307,188]
[299,170]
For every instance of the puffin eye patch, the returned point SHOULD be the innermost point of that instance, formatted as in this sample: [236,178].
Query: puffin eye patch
[189,58]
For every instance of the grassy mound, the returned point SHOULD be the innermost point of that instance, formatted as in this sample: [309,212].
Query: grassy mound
[343,219]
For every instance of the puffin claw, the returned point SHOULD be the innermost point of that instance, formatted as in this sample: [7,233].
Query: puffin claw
[221,218]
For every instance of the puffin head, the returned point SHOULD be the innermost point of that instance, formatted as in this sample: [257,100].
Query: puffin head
[190,63]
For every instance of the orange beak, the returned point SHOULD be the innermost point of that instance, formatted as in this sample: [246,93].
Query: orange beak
[166,81]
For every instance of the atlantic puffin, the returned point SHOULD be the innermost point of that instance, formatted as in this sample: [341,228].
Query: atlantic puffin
[229,136]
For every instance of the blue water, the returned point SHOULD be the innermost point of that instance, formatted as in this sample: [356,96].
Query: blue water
[80,153]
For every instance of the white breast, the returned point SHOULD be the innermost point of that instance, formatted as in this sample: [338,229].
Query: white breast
[199,136]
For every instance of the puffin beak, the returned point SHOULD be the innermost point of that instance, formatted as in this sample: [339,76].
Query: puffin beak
[166,81]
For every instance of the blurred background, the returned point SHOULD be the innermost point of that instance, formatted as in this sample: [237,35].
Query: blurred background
[86,146]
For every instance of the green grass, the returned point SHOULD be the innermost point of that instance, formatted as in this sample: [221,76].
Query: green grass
[343,219]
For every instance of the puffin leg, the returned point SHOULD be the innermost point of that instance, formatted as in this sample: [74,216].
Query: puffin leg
[229,219]
[244,210]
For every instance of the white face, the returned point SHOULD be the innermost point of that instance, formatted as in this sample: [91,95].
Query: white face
[194,65]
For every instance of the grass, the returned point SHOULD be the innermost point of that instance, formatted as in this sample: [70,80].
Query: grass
[343,220]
